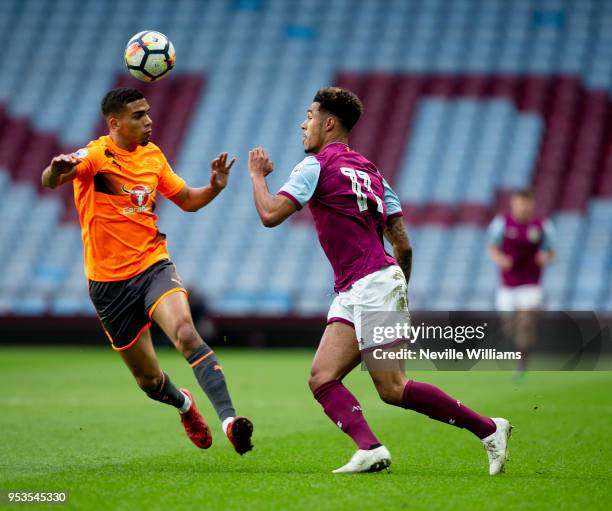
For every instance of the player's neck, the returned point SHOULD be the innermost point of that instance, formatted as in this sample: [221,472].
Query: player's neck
[122,144]
[334,139]
[520,219]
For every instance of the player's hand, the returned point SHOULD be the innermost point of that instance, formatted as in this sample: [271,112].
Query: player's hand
[259,162]
[543,257]
[64,163]
[219,171]
[505,262]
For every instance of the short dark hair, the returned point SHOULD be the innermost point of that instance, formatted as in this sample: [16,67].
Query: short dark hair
[114,100]
[342,103]
[524,193]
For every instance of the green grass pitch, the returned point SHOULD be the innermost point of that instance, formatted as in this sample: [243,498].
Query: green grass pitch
[73,420]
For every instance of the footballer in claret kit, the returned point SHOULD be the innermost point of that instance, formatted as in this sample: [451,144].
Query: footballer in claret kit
[521,244]
[353,207]
[132,281]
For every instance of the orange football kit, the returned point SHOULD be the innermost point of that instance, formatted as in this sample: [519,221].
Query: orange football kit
[126,257]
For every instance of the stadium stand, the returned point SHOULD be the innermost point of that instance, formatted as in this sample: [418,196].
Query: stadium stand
[465,100]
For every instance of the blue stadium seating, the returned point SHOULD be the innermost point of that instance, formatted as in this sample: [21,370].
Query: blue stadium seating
[263,60]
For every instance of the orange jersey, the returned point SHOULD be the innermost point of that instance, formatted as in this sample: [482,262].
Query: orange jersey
[114,193]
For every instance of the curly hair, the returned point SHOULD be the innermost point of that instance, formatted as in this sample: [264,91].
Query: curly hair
[342,103]
[114,100]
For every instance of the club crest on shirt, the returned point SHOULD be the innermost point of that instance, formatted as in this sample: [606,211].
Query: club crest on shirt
[533,234]
[139,195]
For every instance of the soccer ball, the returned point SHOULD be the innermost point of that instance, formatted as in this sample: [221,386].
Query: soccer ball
[149,55]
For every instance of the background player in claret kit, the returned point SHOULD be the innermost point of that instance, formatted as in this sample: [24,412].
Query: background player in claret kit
[521,244]
[352,206]
[132,281]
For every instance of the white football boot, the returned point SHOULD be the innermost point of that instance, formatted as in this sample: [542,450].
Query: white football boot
[372,460]
[496,445]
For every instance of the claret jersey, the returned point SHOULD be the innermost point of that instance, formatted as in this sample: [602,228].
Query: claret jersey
[522,242]
[350,204]
[114,193]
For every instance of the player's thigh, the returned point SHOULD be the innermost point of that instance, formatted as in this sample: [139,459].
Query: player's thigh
[166,303]
[171,312]
[526,328]
[508,323]
[337,354]
[142,361]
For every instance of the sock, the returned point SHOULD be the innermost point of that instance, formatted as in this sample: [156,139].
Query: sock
[167,393]
[344,411]
[186,404]
[210,376]
[430,400]
[225,424]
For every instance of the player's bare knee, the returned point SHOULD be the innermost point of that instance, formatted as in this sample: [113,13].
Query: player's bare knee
[187,337]
[316,379]
[391,392]
[390,395]
[149,382]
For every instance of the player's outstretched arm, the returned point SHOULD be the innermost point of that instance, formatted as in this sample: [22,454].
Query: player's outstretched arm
[60,170]
[396,234]
[193,199]
[272,209]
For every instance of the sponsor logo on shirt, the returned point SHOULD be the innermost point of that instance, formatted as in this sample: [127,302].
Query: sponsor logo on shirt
[139,195]
[81,153]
